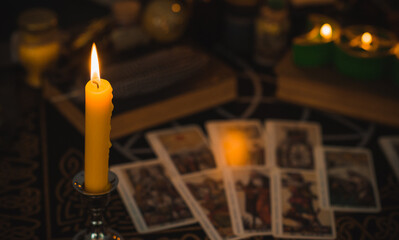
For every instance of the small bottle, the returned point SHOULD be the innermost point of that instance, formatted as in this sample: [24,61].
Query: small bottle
[38,43]
[271,32]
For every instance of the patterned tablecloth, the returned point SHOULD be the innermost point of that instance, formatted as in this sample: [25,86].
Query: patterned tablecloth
[37,165]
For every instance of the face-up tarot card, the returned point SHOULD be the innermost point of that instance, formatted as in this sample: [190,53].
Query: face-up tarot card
[205,193]
[350,179]
[150,197]
[298,213]
[291,144]
[390,146]
[238,142]
[249,194]
[185,147]
[186,153]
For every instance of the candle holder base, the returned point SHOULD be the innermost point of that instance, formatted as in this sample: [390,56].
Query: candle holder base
[109,235]
[96,205]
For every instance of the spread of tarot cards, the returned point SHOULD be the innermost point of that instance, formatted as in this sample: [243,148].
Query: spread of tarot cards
[248,179]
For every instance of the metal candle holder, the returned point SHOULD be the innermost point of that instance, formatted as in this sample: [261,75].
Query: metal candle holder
[96,205]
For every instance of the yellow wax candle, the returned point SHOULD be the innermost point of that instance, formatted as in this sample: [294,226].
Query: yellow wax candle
[98,93]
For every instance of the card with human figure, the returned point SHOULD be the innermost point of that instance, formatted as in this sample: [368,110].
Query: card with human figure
[298,211]
[291,144]
[238,142]
[350,179]
[151,200]
[202,186]
[390,147]
[186,148]
[205,193]
[249,193]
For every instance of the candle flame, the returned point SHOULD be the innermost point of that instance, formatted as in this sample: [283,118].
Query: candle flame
[326,31]
[367,38]
[95,69]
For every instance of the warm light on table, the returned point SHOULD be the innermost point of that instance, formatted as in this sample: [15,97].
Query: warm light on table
[98,93]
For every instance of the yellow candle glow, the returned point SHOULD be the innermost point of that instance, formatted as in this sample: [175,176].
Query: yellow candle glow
[326,31]
[98,93]
[366,39]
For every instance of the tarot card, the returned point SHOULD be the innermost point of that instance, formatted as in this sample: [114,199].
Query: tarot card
[390,146]
[298,212]
[185,149]
[249,194]
[291,144]
[350,179]
[205,194]
[150,197]
[238,142]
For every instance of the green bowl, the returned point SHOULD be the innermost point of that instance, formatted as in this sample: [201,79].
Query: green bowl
[360,67]
[312,55]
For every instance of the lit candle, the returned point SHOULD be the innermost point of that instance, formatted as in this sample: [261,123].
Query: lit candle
[326,32]
[98,93]
[363,52]
[316,47]
[366,40]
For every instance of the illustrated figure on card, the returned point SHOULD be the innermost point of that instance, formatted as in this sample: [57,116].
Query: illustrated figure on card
[295,150]
[253,192]
[156,196]
[209,191]
[301,213]
[292,143]
[300,207]
[349,179]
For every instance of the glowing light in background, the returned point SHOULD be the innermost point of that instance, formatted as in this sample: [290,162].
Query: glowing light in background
[176,7]
[326,31]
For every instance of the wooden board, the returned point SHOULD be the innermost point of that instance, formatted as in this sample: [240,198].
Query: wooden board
[216,87]
[325,88]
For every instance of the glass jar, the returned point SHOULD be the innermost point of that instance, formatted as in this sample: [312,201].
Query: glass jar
[38,43]
[271,32]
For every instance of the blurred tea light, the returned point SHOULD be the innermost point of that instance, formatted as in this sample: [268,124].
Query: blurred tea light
[366,39]
[235,148]
[326,31]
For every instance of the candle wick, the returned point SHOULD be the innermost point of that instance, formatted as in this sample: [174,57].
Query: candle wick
[96,82]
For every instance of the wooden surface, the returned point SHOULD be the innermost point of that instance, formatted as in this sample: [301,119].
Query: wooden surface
[324,88]
[216,87]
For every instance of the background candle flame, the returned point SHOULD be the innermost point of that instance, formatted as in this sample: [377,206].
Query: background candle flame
[367,38]
[95,69]
[326,31]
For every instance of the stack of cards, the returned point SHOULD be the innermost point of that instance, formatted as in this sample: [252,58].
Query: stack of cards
[248,180]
